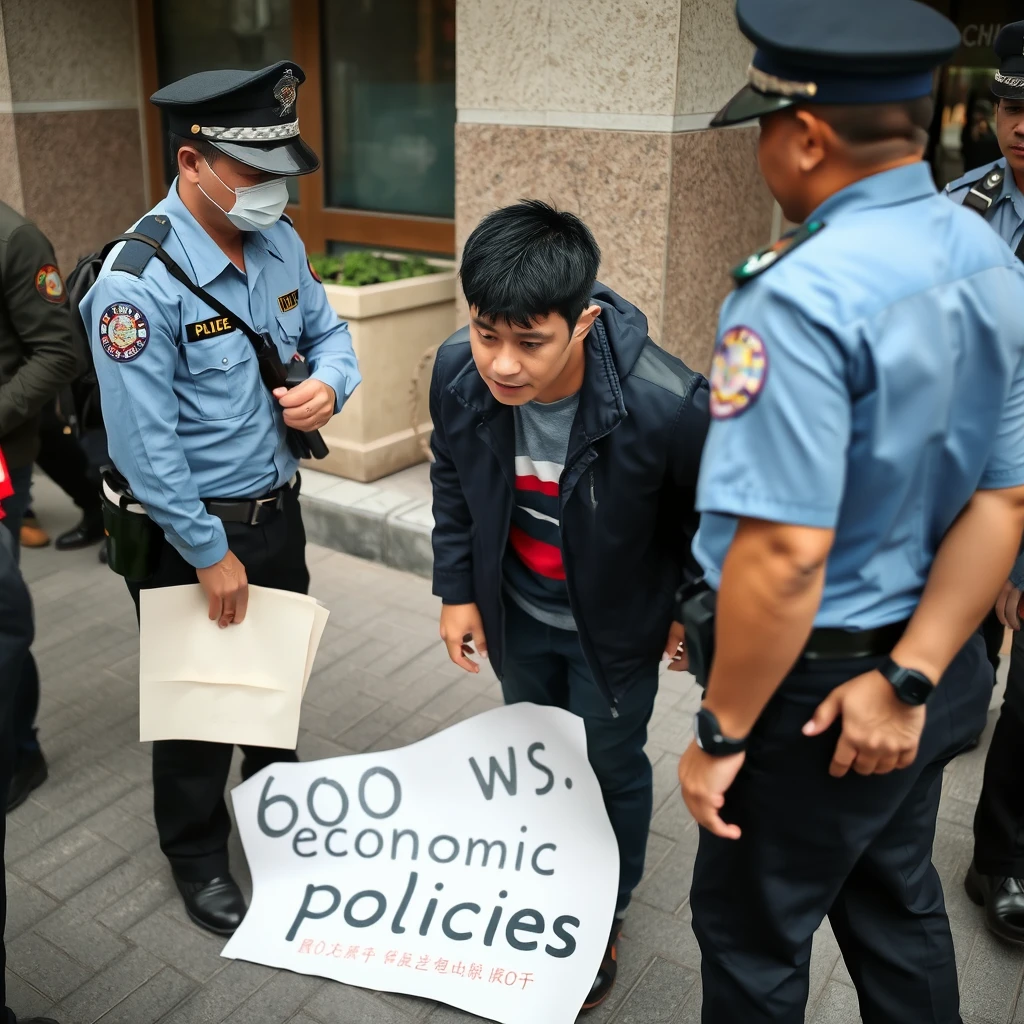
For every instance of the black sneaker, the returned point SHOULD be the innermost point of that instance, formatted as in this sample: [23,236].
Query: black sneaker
[29,774]
[605,980]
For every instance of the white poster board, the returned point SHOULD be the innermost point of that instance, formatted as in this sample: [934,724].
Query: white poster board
[476,867]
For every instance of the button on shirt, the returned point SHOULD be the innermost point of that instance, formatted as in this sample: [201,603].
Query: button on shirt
[190,419]
[1006,214]
[869,382]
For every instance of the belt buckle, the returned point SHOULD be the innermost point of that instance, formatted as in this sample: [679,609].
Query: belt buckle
[257,505]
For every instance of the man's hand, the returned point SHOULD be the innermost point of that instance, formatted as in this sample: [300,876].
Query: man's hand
[675,648]
[704,780]
[227,588]
[461,626]
[1008,606]
[880,732]
[307,406]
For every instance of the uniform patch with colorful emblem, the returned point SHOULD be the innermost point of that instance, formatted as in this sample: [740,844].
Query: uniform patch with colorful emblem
[50,284]
[738,372]
[289,301]
[771,254]
[316,276]
[124,332]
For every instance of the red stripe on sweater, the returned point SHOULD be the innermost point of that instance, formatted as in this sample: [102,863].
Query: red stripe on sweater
[534,483]
[543,559]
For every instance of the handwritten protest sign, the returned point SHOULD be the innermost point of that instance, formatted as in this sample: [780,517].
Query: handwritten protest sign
[476,867]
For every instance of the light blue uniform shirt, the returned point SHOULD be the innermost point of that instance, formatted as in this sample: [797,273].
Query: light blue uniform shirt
[869,382]
[186,419]
[1006,215]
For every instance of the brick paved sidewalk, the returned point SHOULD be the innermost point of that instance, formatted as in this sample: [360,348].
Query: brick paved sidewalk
[96,931]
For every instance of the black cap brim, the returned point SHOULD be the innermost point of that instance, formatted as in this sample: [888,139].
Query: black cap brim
[748,105]
[284,159]
[1002,91]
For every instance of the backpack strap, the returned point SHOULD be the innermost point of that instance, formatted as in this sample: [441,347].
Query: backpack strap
[986,191]
[136,254]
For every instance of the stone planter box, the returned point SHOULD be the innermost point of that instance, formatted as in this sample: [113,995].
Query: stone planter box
[392,325]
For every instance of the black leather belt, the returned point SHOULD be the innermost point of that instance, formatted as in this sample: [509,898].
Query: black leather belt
[250,511]
[842,643]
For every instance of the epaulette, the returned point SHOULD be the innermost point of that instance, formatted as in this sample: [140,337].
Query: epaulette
[134,256]
[986,191]
[771,254]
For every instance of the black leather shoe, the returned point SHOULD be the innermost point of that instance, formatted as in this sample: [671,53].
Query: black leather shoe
[605,980]
[89,531]
[1003,900]
[217,905]
[30,773]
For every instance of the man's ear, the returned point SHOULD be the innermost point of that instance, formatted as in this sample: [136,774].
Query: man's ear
[585,322]
[188,163]
[813,137]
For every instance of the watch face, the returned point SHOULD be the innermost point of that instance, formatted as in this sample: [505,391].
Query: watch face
[917,688]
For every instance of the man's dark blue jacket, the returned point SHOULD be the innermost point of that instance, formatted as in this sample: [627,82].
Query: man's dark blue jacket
[628,492]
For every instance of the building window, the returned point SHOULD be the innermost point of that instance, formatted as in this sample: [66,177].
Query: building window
[389,106]
[202,35]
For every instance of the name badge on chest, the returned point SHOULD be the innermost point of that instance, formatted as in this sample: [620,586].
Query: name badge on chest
[204,329]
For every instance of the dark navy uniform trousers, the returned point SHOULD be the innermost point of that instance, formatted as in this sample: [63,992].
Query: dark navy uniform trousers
[189,776]
[856,849]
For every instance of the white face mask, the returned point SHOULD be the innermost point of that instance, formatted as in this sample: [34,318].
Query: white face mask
[256,207]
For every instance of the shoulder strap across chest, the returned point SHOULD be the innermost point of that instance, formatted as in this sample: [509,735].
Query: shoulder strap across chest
[986,191]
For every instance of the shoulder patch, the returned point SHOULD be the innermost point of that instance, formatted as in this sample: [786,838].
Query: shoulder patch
[316,277]
[50,284]
[771,254]
[124,332]
[739,369]
[288,302]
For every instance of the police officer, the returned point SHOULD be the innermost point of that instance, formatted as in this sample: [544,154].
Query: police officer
[201,441]
[995,879]
[37,358]
[862,496]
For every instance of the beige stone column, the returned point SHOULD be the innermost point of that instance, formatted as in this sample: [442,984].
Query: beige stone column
[70,138]
[601,107]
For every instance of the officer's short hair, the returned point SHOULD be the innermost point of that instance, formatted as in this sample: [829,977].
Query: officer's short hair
[207,151]
[527,261]
[880,122]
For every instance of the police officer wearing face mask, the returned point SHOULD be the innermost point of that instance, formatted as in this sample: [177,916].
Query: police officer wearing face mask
[200,439]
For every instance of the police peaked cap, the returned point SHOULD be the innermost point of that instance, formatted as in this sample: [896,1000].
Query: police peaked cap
[838,51]
[1009,47]
[251,116]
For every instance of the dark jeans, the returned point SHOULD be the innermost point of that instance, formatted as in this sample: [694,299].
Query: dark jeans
[26,705]
[15,639]
[189,775]
[544,665]
[857,849]
[999,819]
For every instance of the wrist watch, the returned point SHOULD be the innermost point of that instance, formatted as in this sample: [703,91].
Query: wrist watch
[708,734]
[912,687]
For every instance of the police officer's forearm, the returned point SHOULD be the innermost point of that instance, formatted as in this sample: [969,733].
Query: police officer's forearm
[972,563]
[771,586]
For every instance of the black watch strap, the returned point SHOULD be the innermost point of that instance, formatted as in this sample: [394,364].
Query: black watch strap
[912,687]
[710,738]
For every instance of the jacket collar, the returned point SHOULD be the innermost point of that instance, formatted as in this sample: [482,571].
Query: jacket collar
[602,405]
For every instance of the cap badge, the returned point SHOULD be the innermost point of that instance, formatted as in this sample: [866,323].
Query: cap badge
[286,92]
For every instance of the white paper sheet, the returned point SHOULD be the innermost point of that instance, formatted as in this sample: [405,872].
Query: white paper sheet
[243,684]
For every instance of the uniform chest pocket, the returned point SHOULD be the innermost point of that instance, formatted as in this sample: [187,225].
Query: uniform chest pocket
[290,328]
[225,375]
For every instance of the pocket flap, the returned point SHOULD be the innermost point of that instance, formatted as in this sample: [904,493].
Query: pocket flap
[217,354]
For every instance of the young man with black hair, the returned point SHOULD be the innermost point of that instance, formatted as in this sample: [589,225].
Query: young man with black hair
[567,447]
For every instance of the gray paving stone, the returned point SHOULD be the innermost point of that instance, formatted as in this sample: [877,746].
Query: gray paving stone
[655,998]
[26,906]
[152,1001]
[188,949]
[89,865]
[991,980]
[838,1005]
[277,1000]
[80,937]
[46,968]
[222,995]
[343,1004]
[105,990]
[25,1000]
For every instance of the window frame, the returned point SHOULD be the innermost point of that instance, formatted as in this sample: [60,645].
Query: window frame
[316,223]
